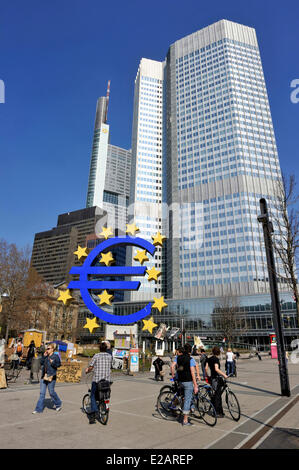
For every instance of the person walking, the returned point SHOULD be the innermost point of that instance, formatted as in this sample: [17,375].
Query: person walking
[186,368]
[2,351]
[258,355]
[158,365]
[19,348]
[30,356]
[230,362]
[203,361]
[41,349]
[101,364]
[50,363]
[216,378]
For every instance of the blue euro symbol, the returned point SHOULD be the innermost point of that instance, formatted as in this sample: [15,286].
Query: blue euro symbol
[88,268]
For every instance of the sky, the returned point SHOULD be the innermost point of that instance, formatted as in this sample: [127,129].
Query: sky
[55,61]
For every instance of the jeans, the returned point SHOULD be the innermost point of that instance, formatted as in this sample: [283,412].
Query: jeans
[230,367]
[43,388]
[188,392]
[93,395]
[216,398]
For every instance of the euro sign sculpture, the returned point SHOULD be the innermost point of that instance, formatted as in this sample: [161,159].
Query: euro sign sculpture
[89,269]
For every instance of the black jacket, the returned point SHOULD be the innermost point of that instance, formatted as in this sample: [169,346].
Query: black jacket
[158,363]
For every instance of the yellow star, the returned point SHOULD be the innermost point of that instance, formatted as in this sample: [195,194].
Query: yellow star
[106,232]
[159,303]
[149,325]
[81,252]
[91,324]
[158,239]
[131,228]
[105,298]
[141,256]
[153,273]
[64,296]
[107,258]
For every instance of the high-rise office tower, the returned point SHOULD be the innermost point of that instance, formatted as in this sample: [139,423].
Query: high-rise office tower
[110,171]
[219,158]
[146,175]
[53,250]
[98,160]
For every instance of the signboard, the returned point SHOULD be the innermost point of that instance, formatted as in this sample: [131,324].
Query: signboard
[161,332]
[110,330]
[134,360]
[273,346]
[173,333]
[118,358]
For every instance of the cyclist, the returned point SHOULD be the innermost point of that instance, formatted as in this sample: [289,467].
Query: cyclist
[214,364]
[186,367]
[101,364]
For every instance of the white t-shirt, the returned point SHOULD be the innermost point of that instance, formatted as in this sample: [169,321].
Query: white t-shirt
[229,356]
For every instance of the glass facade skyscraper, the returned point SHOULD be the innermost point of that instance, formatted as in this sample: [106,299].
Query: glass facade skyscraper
[146,176]
[207,107]
[98,160]
[110,172]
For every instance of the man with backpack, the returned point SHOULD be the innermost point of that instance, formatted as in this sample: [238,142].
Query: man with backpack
[19,348]
[101,364]
[186,372]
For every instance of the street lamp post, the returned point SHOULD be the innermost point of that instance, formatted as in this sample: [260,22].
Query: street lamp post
[263,218]
[5,295]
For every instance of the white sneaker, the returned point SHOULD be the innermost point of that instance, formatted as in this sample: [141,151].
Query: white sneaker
[35,412]
[58,408]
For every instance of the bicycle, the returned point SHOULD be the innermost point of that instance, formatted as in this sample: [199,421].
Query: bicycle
[231,400]
[102,400]
[170,387]
[170,405]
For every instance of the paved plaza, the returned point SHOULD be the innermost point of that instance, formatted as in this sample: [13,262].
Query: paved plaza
[267,419]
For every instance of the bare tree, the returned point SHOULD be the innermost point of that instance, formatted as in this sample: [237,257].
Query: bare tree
[35,296]
[14,266]
[286,231]
[227,319]
[24,288]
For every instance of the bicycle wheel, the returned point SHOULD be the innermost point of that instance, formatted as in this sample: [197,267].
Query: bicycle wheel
[86,405]
[165,388]
[233,405]
[206,411]
[167,405]
[103,413]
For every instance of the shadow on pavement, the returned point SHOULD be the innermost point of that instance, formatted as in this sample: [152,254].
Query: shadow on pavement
[268,392]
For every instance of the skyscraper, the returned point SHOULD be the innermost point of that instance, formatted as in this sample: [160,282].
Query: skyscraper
[221,159]
[53,250]
[146,175]
[98,160]
[209,104]
[110,171]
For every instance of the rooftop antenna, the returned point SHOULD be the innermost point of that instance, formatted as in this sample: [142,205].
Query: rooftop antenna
[107,101]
